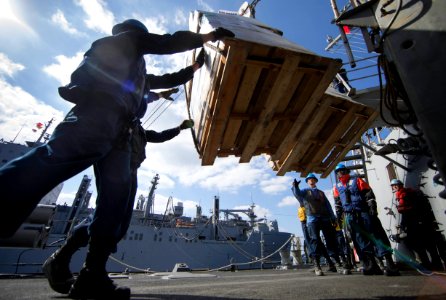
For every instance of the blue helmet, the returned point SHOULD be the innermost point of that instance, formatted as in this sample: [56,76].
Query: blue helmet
[396,182]
[339,167]
[128,25]
[311,175]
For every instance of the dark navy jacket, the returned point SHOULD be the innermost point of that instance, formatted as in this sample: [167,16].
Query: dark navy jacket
[115,65]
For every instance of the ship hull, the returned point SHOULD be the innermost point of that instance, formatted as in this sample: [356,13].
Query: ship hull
[159,249]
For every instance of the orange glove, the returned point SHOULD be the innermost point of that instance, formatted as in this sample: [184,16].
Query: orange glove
[301,214]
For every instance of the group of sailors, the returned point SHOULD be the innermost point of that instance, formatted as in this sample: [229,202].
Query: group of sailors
[354,224]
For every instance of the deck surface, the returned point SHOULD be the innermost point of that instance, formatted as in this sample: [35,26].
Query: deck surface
[255,284]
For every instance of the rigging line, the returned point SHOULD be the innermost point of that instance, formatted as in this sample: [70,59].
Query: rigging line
[233,244]
[159,106]
[154,110]
[255,261]
[129,266]
[194,135]
[159,115]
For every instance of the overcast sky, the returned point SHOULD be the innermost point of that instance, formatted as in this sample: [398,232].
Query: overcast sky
[42,42]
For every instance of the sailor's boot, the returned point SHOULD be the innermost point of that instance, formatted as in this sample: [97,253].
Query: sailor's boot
[345,267]
[57,267]
[367,264]
[317,267]
[331,266]
[93,281]
[391,268]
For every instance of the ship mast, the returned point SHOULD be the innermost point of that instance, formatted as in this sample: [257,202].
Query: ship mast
[47,125]
[151,197]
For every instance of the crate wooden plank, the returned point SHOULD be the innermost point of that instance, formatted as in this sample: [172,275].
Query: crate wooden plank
[303,140]
[289,140]
[278,92]
[224,100]
[215,71]
[271,134]
[245,93]
[263,89]
[321,153]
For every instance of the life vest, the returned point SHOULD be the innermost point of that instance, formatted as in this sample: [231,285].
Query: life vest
[315,205]
[351,197]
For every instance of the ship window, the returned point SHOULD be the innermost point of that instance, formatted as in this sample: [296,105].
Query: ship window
[160,239]
[4,161]
[176,240]
[155,237]
[170,238]
[140,236]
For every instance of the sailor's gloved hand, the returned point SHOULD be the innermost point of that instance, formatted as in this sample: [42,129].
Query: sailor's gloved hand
[167,94]
[301,214]
[220,33]
[296,183]
[373,209]
[187,124]
[200,58]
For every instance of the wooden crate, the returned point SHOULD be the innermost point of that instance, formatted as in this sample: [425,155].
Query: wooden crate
[260,94]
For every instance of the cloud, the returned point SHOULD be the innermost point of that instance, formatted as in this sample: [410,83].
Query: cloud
[99,18]
[259,211]
[287,201]
[275,185]
[8,67]
[20,111]
[180,18]
[59,19]
[156,25]
[61,71]
[204,6]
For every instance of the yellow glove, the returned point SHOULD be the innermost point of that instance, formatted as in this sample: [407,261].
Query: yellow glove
[301,214]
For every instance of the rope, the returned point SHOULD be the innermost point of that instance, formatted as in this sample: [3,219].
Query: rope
[159,115]
[192,130]
[129,266]
[255,261]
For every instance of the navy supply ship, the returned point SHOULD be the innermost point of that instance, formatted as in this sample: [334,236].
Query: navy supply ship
[155,242]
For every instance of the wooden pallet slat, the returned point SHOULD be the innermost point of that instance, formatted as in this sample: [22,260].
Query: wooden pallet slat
[288,142]
[225,98]
[278,92]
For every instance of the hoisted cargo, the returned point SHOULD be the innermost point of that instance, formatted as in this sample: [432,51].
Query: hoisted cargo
[259,93]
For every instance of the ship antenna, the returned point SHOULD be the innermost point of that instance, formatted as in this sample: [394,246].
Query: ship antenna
[17,134]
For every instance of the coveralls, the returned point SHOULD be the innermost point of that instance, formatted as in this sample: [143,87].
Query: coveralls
[107,89]
[417,221]
[320,217]
[351,191]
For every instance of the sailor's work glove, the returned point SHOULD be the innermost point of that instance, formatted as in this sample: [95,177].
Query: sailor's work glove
[296,183]
[200,58]
[168,94]
[187,124]
[220,33]
[301,214]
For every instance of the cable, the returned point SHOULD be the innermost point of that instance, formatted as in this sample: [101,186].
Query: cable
[194,135]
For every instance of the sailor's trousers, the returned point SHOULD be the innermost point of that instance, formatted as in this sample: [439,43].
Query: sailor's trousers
[92,133]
